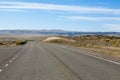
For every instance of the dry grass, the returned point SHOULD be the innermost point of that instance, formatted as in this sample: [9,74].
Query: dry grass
[105,45]
[59,40]
[113,53]
[99,41]
[11,41]
[21,42]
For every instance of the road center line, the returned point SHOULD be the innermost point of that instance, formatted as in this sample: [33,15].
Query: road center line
[10,61]
[0,70]
[13,58]
[6,65]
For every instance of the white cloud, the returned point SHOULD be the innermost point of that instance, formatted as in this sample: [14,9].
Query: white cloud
[115,27]
[25,5]
[93,18]
[12,10]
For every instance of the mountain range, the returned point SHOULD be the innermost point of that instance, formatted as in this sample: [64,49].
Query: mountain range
[54,32]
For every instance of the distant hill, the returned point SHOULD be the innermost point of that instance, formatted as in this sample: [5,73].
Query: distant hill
[53,32]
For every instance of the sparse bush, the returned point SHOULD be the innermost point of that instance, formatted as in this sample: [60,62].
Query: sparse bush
[21,42]
[1,43]
[107,40]
[91,41]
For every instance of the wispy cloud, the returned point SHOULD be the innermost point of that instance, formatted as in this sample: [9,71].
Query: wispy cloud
[115,27]
[93,18]
[25,5]
[12,10]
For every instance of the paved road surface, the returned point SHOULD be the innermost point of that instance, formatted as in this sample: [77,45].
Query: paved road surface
[40,61]
[6,53]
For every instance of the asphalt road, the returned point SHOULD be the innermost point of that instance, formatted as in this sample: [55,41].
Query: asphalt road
[41,61]
[6,53]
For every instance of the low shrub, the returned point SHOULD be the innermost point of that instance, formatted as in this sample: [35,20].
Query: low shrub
[21,42]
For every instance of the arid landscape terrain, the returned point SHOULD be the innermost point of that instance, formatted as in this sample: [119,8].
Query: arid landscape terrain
[105,46]
[59,39]
[99,44]
[7,41]
[67,57]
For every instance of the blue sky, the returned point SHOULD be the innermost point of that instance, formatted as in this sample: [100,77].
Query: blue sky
[72,15]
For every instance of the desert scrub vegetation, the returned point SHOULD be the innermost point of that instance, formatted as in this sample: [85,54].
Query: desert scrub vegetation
[88,41]
[59,40]
[6,43]
[95,41]
[9,43]
[106,45]
[21,42]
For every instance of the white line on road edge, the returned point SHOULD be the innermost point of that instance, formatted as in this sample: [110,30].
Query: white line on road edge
[0,70]
[6,65]
[93,56]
